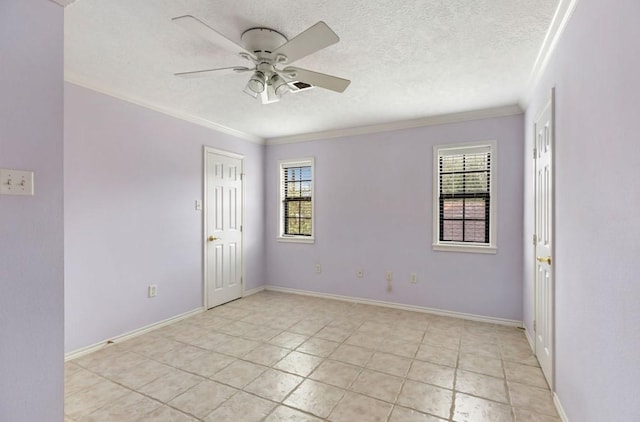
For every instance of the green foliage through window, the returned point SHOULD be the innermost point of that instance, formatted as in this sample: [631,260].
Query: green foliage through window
[297,186]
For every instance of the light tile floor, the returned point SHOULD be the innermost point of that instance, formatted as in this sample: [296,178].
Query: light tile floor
[282,357]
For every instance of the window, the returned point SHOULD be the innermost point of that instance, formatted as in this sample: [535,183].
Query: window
[296,200]
[464,198]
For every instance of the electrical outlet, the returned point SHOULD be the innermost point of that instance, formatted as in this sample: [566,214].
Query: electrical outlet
[360,273]
[198,205]
[389,276]
[153,290]
[413,278]
[318,269]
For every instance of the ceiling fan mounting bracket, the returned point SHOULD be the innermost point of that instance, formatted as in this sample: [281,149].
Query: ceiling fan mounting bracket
[262,40]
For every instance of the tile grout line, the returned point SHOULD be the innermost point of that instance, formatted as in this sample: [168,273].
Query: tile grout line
[379,348]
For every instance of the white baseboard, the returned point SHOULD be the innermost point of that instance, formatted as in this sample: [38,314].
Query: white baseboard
[529,339]
[461,315]
[131,334]
[556,401]
[253,291]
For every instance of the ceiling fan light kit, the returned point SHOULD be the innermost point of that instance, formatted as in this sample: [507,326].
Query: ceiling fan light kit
[279,85]
[266,49]
[257,82]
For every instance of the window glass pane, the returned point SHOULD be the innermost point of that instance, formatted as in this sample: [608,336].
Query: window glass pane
[452,230]
[305,226]
[305,209]
[297,173]
[453,208]
[292,209]
[452,183]
[293,189]
[292,225]
[474,231]
[450,163]
[305,189]
[476,182]
[305,173]
[290,174]
[476,162]
[475,209]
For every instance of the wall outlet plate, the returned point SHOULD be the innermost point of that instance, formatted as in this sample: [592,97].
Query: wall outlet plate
[153,290]
[360,273]
[413,278]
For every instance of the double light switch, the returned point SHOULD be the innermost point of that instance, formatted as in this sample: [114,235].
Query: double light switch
[16,182]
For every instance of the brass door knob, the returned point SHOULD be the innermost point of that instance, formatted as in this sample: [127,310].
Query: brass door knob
[546,259]
[212,238]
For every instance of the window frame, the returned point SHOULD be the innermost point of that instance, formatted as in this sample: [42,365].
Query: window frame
[452,246]
[283,164]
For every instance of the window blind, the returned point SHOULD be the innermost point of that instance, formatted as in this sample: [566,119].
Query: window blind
[464,194]
[296,193]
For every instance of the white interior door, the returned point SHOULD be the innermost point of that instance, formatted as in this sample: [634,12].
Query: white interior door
[223,227]
[544,280]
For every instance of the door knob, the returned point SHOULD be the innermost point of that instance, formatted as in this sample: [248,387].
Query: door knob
[212,238]
[546,259]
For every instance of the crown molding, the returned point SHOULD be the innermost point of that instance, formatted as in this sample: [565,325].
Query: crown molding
[558,24]
[63,3]
[466,116]
[73,79]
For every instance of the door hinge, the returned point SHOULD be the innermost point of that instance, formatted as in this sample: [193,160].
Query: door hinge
[240,228]
[241,280]
[535,327]
[241,176]
[535,239]
[535,153]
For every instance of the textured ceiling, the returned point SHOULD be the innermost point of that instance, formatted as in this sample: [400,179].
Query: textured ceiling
[405,59]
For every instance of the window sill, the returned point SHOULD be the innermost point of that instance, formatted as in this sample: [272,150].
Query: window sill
[296,239]
[457,247]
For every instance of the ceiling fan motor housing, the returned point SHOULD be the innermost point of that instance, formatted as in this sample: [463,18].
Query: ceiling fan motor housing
[262,41]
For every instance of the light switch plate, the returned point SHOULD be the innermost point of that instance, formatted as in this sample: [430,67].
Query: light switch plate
[16,182]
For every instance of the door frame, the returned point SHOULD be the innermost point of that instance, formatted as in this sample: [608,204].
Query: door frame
[551,101]
[205,219]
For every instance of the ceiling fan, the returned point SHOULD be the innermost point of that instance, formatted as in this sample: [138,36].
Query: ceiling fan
[268,50]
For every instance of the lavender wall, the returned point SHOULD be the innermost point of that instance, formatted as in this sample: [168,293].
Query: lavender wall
[595,71]
[132,176]
[374,212]
[31,228]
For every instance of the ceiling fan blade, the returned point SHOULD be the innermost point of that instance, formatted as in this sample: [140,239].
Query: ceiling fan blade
[311,40]
[322,80]
[196,26]
[209,72]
